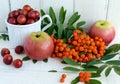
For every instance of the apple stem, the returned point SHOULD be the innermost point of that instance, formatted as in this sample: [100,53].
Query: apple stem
[38,35]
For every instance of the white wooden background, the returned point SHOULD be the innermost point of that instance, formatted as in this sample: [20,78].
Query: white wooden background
[90,10]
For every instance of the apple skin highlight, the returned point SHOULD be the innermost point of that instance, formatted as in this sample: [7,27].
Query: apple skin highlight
[38,48]
[104,30]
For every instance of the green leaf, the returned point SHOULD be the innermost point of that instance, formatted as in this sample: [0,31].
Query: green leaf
[94,81]
[113,48]
[94,75]
[4,37]
[93,62]
[71,62]
[117,70]
[50,30]
[79,24]
[113,62]
[34,61]
[52,71]
[71,69]
[60,30]
[75,81]
[52,15]
[45,60]
[26,58]
[73,19]
[43,13]
[62,15]
[90,68]
[108,56]
[101,68]
[107,71]
[68,33]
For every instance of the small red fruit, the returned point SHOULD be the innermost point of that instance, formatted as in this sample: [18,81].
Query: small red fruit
[5,51]
[21,19]
[23,12]
[10,15]
[37,14]
[7,59]
[16,13]
[12,20]
[27,7]
[17,63]
[19,49]
[30,21]
[32,15]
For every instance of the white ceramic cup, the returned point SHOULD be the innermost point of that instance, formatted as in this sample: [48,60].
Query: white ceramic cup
[18,33]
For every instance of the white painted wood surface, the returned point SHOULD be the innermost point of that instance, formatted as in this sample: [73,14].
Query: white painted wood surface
[4,9]
[90,11]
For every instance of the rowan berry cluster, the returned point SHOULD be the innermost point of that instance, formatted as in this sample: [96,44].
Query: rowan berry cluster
[84,76]
[80,48]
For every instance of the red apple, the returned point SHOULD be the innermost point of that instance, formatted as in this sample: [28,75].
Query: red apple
[102,29]
[38,45]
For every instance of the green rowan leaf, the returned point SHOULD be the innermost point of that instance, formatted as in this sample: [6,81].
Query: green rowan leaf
[75,81]
[26,58]
[117,70]
[113,48]
[52,71]
[79,24]
[71,69]
[60,30]
[62,15]
[93,81]
[93,62]
[71,62]
[108,56]
[101,68]
[34,61]
[113,62]
[107,71]
[52,15]
[73,19]
[45,60]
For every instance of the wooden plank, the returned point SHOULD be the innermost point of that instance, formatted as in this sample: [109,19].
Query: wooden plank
[16,4]
[91,11]
[114,17]
[57,4]
[4,9]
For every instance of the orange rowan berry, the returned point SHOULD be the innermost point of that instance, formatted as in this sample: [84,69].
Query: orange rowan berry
[61,49]
[53,55]
[82,56]
[64,75]
[70,56]
[62,80]
[74,42]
